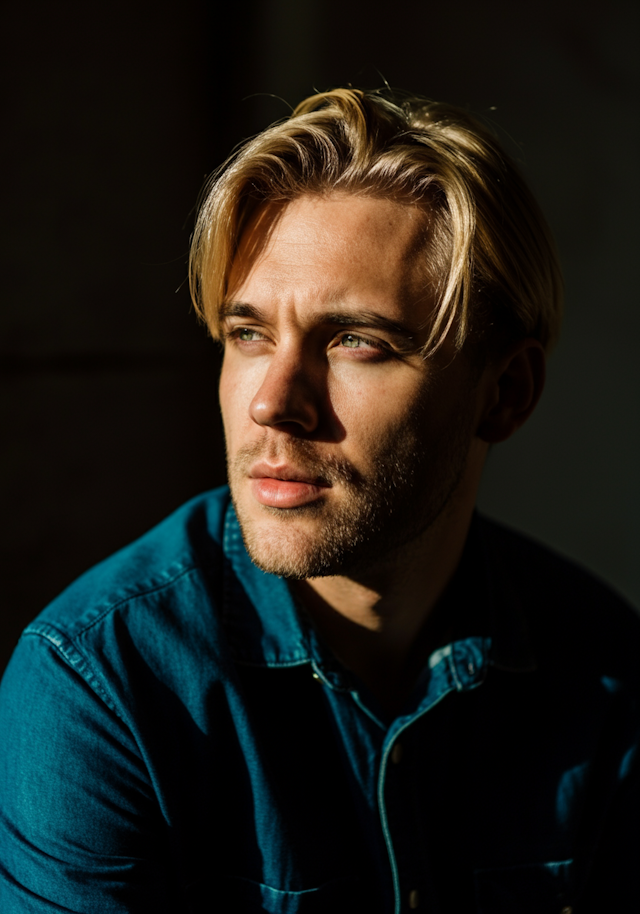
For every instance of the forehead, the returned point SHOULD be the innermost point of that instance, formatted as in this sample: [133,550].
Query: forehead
[335,248]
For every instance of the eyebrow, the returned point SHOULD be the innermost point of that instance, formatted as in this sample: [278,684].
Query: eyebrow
[241,309]
[404,335]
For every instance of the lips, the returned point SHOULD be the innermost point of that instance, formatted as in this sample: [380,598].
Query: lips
[285,486]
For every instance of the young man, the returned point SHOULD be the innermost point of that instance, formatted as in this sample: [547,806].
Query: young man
[337,688]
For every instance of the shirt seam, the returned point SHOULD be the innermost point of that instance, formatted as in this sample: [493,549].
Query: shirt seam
[272,665]
[66,644]
[88,674]
[116,604]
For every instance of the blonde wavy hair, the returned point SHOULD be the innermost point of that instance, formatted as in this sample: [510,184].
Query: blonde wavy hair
[490,256]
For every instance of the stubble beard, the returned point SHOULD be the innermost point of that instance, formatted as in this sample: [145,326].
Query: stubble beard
[407,487]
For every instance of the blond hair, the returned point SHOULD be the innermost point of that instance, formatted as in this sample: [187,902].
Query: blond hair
[491,257]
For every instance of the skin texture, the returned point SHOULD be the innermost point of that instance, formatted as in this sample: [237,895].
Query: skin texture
[354,462]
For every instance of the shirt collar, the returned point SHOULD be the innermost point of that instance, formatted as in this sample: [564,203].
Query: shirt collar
[259,614]
[264,627]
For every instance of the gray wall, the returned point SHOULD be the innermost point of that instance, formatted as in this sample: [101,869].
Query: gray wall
[114,113]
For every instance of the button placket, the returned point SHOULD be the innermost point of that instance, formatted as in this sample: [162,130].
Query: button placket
[404,840]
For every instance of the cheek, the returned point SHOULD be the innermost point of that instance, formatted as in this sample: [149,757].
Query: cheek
[227,382]
[225,391]
[355,401]
[234,394]
[376,412]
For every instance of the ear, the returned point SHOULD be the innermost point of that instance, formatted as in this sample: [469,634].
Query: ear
[513,385]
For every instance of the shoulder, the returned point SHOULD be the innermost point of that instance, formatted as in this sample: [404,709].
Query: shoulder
[187,542]
[543,571]
[567,607]
[151,609]
[102,686]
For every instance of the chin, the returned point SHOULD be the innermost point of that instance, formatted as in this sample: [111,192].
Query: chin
[292,543]
[316,542]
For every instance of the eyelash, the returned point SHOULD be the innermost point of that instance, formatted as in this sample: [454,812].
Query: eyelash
[359,339]
[237,333]
[381,349]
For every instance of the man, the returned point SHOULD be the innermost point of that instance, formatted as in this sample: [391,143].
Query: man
[339,689]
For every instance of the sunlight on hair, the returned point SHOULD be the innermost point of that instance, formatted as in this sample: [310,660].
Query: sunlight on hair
[490,260]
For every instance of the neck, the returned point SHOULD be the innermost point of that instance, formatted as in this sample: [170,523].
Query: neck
[382,624]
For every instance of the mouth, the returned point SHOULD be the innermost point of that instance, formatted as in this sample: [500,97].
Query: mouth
[284,486]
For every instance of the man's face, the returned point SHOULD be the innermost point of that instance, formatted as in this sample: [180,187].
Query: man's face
[343,443]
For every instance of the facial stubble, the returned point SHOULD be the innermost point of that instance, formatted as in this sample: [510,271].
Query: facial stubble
[409,484]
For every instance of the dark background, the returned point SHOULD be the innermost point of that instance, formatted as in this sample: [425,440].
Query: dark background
[113,114]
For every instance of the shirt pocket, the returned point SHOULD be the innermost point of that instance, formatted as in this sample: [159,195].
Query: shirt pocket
[536,888]
[243,896]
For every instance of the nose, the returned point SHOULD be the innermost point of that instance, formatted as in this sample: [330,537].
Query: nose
[289,396]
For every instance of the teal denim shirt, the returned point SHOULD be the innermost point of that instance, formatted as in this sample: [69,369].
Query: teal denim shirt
[174,737]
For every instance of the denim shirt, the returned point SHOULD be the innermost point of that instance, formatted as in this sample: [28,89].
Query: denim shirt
[174,737]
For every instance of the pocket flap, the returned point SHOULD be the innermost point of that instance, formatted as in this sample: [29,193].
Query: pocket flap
[243,896]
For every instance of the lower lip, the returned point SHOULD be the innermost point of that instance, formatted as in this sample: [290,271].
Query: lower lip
[285,493]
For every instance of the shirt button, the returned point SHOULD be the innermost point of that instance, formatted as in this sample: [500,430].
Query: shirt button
[396,753]
[414,899]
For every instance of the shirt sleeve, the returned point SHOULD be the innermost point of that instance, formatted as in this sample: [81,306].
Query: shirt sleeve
[81,829]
